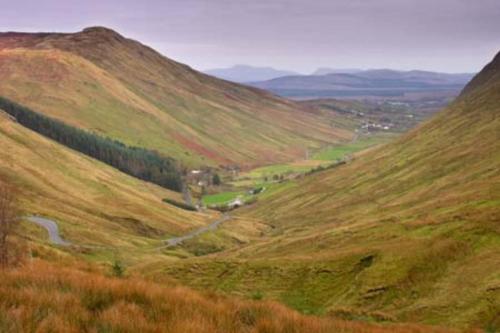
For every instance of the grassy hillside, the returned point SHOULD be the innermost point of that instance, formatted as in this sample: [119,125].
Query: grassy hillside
[44,297]
[141,163]
[109,215]
[410,229]
[405,232]
[99,80]
[92,202]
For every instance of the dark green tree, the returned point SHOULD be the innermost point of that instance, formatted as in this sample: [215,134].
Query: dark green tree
[118,269]
[216,180]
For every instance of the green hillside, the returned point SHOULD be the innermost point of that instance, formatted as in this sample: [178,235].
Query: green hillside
[408,231]
[93,203]
[405,232]
[98,80]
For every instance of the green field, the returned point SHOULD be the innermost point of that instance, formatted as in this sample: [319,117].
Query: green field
[275,176]
[221,198]
[269,189]
[340,151]
[324,157]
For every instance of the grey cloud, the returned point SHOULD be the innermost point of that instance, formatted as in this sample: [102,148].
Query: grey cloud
[447,35]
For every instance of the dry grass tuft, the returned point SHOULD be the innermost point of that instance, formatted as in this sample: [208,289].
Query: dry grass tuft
[43,297]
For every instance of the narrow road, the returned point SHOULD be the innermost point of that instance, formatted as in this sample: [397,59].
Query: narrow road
[55,237]
[212,226]
[186,195]
[51,228]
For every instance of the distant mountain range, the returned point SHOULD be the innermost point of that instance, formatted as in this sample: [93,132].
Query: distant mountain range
[244,73]
[328,70]
[378,82]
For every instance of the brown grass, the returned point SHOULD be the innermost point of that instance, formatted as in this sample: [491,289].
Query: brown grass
[41,297]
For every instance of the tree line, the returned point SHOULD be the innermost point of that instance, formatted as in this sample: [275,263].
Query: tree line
[141,163]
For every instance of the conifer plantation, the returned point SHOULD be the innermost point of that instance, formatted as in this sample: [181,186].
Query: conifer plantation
[138,162]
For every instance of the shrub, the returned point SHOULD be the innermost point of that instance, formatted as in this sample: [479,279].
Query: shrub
[216,180]
[118,269]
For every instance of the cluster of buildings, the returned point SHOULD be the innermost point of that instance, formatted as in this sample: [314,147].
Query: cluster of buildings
[370,126]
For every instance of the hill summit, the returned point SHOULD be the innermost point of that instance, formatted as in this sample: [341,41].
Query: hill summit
[98,80]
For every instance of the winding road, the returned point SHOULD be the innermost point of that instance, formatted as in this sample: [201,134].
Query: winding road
[55,237]
[212,226]
[51,228]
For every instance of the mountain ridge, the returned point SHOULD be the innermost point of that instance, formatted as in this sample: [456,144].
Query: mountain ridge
[95,77]
[374,82]
[246,73]
[328,70]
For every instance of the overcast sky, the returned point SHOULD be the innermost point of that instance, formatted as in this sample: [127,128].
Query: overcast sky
[301,35]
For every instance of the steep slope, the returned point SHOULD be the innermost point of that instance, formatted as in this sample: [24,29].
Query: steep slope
[98,80]
[410,229]
[92,202]
[453,158]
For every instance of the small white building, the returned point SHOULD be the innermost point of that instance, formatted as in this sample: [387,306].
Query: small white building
[238,202]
